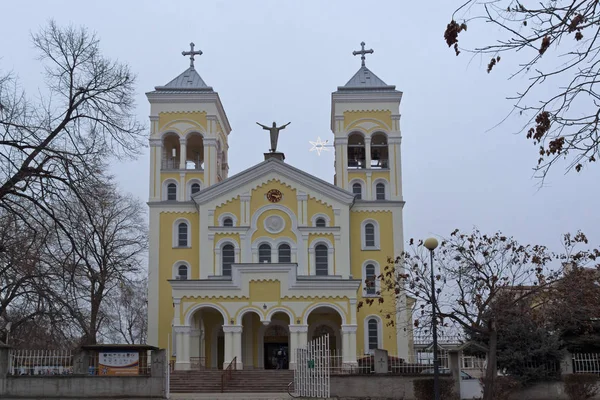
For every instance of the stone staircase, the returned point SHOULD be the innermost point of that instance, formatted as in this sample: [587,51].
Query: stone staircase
[243,381]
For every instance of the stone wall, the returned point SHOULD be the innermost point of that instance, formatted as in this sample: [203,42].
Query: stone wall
[373,387]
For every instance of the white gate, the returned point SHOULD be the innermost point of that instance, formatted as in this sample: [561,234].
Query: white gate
[311,376]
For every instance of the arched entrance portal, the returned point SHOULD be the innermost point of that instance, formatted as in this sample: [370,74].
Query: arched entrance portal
[276,342]
[207,345]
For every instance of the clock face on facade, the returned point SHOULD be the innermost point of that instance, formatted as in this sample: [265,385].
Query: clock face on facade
[274,195]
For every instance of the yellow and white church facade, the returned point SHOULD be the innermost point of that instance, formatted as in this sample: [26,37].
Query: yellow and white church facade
[272,257]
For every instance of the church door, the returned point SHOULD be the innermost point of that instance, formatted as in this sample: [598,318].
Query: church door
[276,348]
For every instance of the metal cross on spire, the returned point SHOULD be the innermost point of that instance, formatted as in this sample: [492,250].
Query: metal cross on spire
[362,52]
[192,53]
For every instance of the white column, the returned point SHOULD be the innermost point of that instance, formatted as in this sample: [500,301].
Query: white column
[210,161]
[182,194]
[349,345]
[183,347]
[233,345]
[394,145]
[368,151]
[182,153]
[155,160]
[369,188]
[296,341]
[311,262]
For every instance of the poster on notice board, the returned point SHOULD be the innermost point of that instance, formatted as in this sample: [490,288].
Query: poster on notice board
[118,363]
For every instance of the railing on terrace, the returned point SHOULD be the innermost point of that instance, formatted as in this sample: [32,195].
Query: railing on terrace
[197,363]
[586,363]
[40,362]
[442,340]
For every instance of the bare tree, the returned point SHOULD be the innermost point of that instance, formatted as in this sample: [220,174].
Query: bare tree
[128,313]
[555,45]
[110,240]
[472,271]
[86,112]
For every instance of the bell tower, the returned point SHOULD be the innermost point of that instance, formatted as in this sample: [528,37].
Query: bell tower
[188,136]
[365,121]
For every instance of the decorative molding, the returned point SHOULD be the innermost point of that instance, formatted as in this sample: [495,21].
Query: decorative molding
[349,328]
[185,329]
[274,224]
[232,329]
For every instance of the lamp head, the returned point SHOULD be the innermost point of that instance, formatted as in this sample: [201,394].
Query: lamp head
[430,243]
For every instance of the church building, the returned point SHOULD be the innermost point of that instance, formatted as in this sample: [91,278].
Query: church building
[272,257]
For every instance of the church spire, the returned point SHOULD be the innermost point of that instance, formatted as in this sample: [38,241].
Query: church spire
[362,53]
[192,53]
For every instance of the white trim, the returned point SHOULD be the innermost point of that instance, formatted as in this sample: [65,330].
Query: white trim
[313,255]
[176,233]
[189,314]
[176,269]
[363,187]
[246,310]
[386,185]
[274,243]
[227,215]
[333,306]
[377,280]
[164,192]
[274,219]
[188,187]
[313,219]
[363,245]
[366,332]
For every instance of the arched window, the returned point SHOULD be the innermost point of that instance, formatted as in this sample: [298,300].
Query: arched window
[379,151]
[182,272]
[380,191]
[356,151]
[369,235]
[284,253]
[370,279]
[182,235]
[264,253]
[227,258]
[195,188]
[373,334]
[171,191]
[321,260]
[320,223]
[357,190]
[227,222]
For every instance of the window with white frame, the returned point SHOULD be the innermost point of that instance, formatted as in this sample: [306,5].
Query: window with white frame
[284,253]
[372,334]
[172,191]
[182,235]
[182,272]
[227,258]
[370,279]
[320,222]
[227,221]
[264,253]
[380,191]
[321,260]
[370,235]
[357,190]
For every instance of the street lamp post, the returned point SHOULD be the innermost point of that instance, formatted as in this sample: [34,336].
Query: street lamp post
[431,244]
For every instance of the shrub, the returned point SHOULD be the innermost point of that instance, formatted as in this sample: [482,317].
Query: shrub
[424,389]
[581,386]
[504,386]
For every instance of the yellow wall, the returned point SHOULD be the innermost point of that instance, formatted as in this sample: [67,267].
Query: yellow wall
[231,206]
[169,120]
[381,117]
[315,206]
[259,199]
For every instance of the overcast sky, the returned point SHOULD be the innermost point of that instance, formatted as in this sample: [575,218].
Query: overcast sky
[280,61]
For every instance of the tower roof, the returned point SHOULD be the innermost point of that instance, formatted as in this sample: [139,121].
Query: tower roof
[188,80]
[364,79]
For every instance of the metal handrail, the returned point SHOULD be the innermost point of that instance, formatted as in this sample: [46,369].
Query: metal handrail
[290,393]
[226,375]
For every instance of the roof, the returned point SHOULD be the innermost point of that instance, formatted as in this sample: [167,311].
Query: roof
[281,169]
[188,80]
[364,79]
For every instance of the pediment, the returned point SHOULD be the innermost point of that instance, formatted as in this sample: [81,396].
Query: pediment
[269,170]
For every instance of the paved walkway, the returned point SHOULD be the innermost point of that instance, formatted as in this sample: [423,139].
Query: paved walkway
[231,396]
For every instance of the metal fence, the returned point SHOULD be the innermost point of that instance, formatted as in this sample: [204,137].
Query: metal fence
[586,363]
[312,373]
[421,362]
[40,362]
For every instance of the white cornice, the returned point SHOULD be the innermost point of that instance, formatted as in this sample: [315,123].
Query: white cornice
[376,205]
[282,170]
[173,206]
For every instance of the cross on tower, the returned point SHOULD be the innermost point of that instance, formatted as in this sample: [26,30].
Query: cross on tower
[362,52]
[191,53]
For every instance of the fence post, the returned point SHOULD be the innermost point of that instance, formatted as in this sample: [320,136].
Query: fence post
[454,364]
[81,362]
[4,367]
[566,365]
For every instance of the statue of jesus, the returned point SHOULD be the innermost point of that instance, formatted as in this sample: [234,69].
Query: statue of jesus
[274,130]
